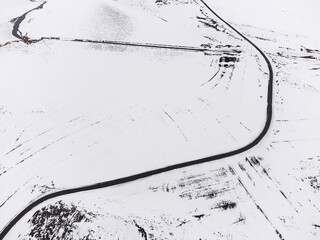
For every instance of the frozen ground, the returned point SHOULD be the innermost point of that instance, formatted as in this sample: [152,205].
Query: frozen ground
[77,113]
[113,118]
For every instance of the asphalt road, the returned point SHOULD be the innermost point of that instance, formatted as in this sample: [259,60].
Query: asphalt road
[16,32]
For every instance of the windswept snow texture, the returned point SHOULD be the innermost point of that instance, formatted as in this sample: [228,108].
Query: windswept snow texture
[75,111]
[269,192]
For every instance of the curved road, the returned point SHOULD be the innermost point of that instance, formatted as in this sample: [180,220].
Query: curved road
[160,170]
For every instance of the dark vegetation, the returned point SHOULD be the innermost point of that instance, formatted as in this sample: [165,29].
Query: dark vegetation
[57,222]
[225,205]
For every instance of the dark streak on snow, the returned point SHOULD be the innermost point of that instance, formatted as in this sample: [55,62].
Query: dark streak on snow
[211,78]
[283,195]
[177,126]
[250,178]
[209,22]
[141,230]
[8,198]
[20,135]
[232,170]
[13,149]
[199,216]
[248,129]
[182,222]
[227,131]
[316,225]
[225,205]
[253,161]
[201,185]
[46,146]
[241,167]
[240,219]
[261,210]
[265,171]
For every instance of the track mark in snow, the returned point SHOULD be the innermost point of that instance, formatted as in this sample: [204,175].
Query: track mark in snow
[242,167]
[209,22]
[211,62]
[41,149]
[232,170]
[253,161]
[9,198]
[211,78]
[240,219]
[15,148]
[39,135]
[272,185]
[248,129]
[227,131]
[75,119]
[17,190]
[48,145]
[230,78]
[60,139]
[20,135]
[177,126]
[261,210]
[198,120]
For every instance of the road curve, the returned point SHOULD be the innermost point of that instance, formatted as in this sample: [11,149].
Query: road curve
[142,175]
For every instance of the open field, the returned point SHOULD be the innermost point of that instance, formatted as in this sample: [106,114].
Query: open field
[100,90]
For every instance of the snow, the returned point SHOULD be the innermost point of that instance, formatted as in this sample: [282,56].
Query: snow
[76,113]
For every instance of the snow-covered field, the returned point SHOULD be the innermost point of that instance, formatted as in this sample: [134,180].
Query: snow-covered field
[74,113]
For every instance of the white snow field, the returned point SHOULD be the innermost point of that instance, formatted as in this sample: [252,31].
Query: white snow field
[77,113]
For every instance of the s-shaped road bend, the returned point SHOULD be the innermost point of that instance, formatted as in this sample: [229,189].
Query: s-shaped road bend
[146,174]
